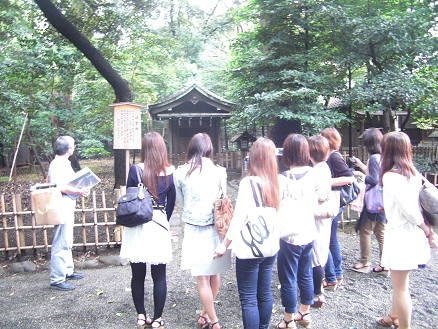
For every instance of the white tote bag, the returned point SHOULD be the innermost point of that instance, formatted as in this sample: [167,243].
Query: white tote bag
[260,236]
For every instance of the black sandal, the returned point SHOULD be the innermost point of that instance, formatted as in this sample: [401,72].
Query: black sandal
[301,321]
[160,323]
[213,324]
[206,322]
[146,322]
[277,325]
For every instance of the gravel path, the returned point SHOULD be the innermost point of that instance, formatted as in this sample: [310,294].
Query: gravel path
[103,299]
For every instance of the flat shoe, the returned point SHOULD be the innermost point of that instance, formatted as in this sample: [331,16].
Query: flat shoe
[75,276]
[360,265]
[64,286]
[361,268]
[380,270]
[392,321]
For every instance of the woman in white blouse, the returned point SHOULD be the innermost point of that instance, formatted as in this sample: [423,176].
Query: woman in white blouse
[254,275]
[407,237]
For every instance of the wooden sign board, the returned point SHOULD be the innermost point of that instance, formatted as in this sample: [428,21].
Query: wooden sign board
[127,126]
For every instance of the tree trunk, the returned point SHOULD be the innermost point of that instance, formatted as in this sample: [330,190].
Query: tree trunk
[406,119]
[120,86]
[282,128]
[34,150]
[388,121]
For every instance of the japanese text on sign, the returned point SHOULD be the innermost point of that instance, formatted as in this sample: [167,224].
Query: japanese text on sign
[127,126]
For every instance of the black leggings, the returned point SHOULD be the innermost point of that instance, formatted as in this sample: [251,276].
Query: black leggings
[318,275]
[158,273]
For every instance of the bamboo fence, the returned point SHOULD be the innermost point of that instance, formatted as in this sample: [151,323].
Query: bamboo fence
[95,219]
[96,225]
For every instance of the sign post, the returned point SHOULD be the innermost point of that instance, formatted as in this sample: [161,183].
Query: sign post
[127,128]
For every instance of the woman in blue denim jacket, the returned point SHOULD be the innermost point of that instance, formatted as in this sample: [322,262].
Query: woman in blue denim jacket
[197,186]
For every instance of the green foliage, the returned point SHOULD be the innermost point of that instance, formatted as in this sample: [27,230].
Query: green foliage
[279,66]
[373,55]
[46,77]
[425,164]
[91,148]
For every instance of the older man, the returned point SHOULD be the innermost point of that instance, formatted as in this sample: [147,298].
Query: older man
[60,173]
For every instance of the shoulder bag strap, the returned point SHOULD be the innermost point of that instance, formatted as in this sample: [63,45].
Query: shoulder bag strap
[140,184]
[254,193]
[140,181]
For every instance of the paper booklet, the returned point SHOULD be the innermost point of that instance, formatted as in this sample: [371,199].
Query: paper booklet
[84,178]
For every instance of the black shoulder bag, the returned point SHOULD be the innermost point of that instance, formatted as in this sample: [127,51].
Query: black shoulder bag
[136,206]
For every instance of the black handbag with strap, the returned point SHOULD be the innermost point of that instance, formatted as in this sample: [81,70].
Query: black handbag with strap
[348,192]
[136,206]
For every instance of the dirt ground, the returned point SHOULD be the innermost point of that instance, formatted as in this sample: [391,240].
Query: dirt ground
[103,299]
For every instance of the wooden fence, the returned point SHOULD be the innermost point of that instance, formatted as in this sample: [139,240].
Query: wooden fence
[231,160]
[95,225]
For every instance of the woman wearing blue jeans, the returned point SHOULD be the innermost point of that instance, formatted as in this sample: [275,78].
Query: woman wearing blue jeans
[254,275]
[333,267]
[341,175]
[298,234]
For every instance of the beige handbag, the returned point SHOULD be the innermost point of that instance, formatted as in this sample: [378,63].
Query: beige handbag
[47,204]
[328,208]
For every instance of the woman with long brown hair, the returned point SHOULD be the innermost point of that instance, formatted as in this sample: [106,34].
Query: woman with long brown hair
[197,186]
[254,275]
[151,242]
[407,236]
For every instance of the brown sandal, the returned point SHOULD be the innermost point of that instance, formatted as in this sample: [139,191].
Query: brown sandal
[393,321]
[329,285]
[359,265]
[318,301]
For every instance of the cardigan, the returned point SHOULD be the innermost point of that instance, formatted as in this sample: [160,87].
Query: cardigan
[165,187]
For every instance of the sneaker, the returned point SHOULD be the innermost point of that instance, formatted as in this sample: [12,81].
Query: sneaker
[62,286]
[75,276]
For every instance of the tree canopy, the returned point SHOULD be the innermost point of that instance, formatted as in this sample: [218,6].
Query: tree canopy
[293,65]
[296,56]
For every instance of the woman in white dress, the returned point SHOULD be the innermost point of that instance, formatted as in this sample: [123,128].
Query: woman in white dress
[197,186]
[407,237]
[151,242]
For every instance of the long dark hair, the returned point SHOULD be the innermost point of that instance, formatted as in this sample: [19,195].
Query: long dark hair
[199,147]
[263,163]
[154,157]
[397,155]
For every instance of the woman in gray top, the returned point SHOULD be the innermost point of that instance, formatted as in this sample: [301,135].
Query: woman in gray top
[368,222]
